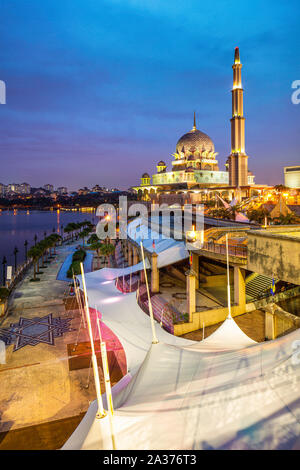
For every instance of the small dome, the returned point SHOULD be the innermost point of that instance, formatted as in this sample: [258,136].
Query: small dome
[145,175]
[161,163]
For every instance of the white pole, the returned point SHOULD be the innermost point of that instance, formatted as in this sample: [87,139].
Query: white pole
[78,298]
[154,338]
[228,279]
[101,413]
[123,278]
[107,385]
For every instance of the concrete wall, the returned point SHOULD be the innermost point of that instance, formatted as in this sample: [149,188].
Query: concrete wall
[278,322]
[207,317]
[275,253]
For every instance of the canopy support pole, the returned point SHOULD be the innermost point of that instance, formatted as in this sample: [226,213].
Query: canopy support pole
[109,398]
[101,413]
[228,280]
[154,338]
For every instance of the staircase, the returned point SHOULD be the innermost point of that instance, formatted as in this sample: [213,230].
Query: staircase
[257,285]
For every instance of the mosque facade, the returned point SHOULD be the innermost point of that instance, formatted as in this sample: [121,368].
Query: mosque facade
[195,170]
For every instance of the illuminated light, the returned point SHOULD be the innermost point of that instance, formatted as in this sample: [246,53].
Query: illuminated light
[191,235]
[111,300]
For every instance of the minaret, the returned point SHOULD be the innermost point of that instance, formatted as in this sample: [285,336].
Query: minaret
[238,160]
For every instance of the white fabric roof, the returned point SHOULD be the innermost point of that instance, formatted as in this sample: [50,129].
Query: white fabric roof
[121,313]
[169,250]
[239,217]
[108,274]
[226,392]
[188,399]
[227,337]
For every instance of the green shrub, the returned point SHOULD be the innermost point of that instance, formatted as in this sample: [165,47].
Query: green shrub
[79,255]
[77,258]
[4,293]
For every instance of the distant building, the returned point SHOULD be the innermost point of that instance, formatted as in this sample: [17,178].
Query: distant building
[96,189]
[38,191]
[292,176]
[83,191]
[24,188]
[49,187]
[12,188]
[62,190]
[2,189]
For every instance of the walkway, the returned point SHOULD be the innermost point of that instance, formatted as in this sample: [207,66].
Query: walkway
[38,383]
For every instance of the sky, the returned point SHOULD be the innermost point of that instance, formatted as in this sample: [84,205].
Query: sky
[98,91]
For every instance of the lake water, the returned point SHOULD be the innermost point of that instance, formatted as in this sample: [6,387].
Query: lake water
[18,226]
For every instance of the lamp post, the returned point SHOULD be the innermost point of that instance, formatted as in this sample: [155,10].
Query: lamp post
[35,239]
[25,245]
[53,230]
[4,262]
[45,234]
[16,251]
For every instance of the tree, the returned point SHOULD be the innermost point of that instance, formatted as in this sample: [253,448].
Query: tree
[97,246]
[281,187]
[107,249]
[84,234]
[287,219]
[93,239]
[258,215]
[35,253]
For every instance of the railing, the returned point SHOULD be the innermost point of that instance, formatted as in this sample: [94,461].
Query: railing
[220,248]
[18,274]
[127,284]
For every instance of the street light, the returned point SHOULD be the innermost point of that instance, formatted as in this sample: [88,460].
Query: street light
[45,233]
[35,239]
[16,251]
[25,245]
[4,262]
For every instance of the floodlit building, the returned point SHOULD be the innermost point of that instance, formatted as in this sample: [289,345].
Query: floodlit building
[292,176]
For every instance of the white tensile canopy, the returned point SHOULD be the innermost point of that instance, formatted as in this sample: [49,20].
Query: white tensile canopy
[169,251]
[225,392]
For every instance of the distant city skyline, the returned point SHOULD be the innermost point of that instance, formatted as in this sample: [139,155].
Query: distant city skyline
[111,86]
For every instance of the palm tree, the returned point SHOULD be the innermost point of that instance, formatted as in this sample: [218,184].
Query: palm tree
[93,239]
[107,249]
[35,253]
[55,238]
[97,246]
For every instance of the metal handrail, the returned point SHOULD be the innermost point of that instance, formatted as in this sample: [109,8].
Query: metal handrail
[220,248]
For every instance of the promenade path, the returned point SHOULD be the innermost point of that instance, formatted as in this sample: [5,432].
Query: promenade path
[37,386]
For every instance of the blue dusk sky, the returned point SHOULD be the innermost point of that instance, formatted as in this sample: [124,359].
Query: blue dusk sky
[99,91]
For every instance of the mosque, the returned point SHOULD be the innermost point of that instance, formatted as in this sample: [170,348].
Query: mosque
[195,175]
